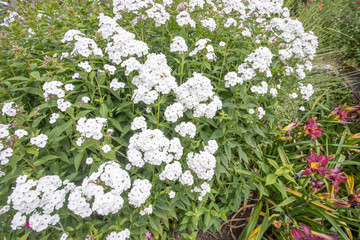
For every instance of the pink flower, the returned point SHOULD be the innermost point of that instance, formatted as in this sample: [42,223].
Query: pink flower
[311,128]
[358,2]
[28,225]
[148,235]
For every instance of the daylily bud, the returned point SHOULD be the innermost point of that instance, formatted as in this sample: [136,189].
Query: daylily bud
[355,136]
[285,138]
[339,204]
[276,224]
[291,126]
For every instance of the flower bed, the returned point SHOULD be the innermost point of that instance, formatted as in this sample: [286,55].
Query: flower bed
[128,119]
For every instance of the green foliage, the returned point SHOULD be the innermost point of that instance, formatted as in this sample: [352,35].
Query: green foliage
[252,162]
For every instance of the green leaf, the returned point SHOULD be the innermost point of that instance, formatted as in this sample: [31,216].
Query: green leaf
[35,75]
[271,179]
[245,234]
[104,110]
[217,134]
[287,201]
[77,160]
[265,224]
[59,129]
[22,78]
[45,159]
[155,224]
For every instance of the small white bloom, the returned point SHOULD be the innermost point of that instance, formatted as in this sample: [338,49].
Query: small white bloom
[85,99]
[171,194]
[69,87]
[106,148]
[89,160]
[302,108]
[251,111]
[20,133]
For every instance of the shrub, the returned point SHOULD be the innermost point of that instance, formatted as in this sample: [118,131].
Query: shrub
[133,117]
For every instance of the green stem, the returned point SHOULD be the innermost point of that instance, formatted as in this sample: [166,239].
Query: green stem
[182,67]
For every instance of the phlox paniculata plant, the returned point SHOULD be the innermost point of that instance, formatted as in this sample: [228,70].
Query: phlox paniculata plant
[142,113]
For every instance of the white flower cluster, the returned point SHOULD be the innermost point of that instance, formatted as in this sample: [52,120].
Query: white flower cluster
[186,178]
[273,92]
[196,3]
[202,44]
[129,5]
[32,195]
[260,59]
[131,64]
[86,66]
[232,78]
[203,190]
[203,163]
[306,91]
[19,133]
[260,112]
[116,85]
[123,235]
[9,109]
[151,146]
[158,13]
[146,211]
[139,123]
[186,128]
[154,78]
[261,90]
[90,128]
[109,174]
[293,95]
[11,18]
[110,68]
[62,104]
[51,90]
[39,141]
[183,18]
[178,45]
[53,118]
[86,47]
[140,192]
[191,95]
[209,23]
[71,35]
[171,172]
[5,154]
[123,43]
[298,43]
[229,22]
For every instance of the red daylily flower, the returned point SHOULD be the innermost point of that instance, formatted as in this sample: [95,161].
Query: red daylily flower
[341,112]
[354,199]
[335,176]
[316,185]
[311,128]
[317,163]
[307,234]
